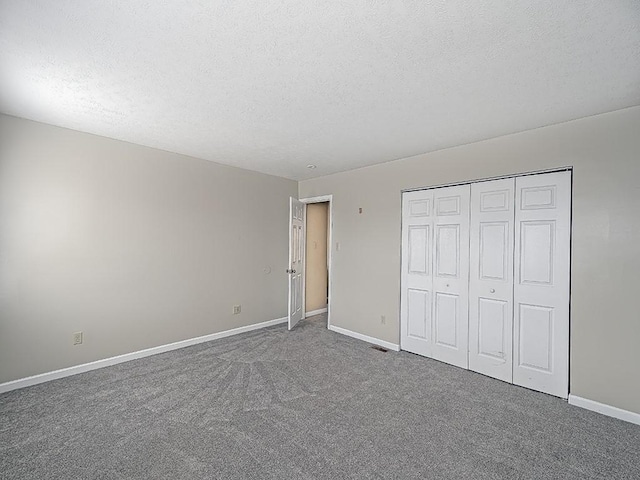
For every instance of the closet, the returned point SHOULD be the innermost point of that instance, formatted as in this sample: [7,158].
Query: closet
[485,278]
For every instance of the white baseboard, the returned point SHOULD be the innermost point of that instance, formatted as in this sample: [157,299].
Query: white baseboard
[605,409]
[315,312]
[365,338]
[107,362]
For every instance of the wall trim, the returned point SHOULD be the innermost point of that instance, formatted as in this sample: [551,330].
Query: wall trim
[127,357]
[365,338]
[315,312]
[605,409]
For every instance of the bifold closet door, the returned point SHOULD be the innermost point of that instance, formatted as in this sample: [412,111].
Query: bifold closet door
[435,272]
[485,278]
[541,287]
[416,276]
[491,278]
[451,275]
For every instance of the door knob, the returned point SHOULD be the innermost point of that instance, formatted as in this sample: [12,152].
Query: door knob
[289,270]
[493,290]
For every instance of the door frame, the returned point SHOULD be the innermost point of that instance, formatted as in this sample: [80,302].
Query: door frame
[565,168]
[488,179]
[306,201]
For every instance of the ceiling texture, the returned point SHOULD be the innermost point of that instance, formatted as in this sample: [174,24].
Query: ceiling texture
[273,86]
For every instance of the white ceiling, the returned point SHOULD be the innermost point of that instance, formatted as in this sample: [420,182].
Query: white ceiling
[274,86]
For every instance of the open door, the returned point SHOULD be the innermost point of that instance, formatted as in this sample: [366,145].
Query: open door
[296,260]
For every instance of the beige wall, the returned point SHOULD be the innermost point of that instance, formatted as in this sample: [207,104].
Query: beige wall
[316,257]
[138,247]
[135,247]
[605,153]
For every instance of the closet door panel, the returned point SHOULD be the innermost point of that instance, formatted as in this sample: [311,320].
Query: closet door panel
[417,276]
[451,275]
[541,291]
[491,278]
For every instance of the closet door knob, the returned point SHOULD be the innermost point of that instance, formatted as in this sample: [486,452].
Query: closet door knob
[493,290]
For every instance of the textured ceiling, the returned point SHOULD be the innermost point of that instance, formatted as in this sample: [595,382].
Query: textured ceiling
[275,85]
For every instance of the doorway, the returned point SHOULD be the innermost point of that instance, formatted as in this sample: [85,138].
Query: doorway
[316,283]
[317,257]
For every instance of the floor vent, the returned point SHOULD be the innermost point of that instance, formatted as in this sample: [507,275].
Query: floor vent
[382,349]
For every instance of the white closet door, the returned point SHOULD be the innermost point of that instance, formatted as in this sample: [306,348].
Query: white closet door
[451,275]
[541,290]
[416,277]
[491,278]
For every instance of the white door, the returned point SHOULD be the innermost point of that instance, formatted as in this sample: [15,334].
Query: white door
[450,312]
[541,286]
[491,278]
[296,260]
[416,276]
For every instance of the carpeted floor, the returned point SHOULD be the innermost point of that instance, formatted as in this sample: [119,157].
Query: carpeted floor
[303,404]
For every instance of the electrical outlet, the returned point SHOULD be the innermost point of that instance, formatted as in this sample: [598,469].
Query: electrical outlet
[236,309]
[77,338]
[383,320]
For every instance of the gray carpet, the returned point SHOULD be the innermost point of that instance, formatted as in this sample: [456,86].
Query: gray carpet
[303,404]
